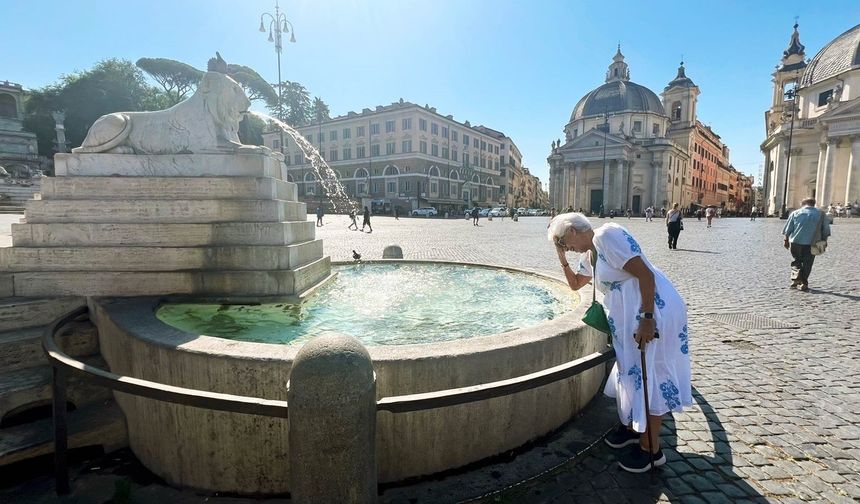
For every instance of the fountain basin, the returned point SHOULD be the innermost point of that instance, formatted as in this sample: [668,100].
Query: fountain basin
[248,454]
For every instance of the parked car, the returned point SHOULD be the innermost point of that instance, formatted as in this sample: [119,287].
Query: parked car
[499,212]
[468,212]
[532,211]
[521,211]
[425,212]
[485,212]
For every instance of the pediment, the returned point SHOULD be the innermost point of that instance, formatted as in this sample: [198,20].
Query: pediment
[594,138]
[846,110]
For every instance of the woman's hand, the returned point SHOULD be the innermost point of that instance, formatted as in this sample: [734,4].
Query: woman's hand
[645,332]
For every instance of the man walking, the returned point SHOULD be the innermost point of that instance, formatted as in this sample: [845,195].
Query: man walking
[805,226]
[366,221]
[752,213]
[475,215]
[320,214]
[649,213]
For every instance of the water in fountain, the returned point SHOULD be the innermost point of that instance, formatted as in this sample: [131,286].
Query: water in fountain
[341,202]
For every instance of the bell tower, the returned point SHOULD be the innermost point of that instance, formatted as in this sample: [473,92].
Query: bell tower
[787,73]
[679,99]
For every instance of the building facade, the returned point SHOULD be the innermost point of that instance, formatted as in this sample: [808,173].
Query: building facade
[402,156]
[623,150]
[18,148]
[812,146]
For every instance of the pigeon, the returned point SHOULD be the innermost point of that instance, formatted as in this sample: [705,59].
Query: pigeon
[356,255]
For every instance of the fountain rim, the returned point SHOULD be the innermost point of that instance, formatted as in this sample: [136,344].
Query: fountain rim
[137,317]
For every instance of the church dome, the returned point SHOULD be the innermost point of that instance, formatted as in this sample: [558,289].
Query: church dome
[618,96]
[842,54]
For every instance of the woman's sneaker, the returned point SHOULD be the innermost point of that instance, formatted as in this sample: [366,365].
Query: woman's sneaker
[621,437]
[637,460]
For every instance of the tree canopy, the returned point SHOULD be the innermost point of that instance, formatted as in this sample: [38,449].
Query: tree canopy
[175,77]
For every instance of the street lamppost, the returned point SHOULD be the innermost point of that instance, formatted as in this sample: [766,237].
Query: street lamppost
[791,96]
[278,25]
[603,178]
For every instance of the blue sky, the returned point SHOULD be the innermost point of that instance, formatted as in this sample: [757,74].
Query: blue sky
[516,66]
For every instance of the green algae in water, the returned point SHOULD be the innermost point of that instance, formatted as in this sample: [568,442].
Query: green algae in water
[389,304]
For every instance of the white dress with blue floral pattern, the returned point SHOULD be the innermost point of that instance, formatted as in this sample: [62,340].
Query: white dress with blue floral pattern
[667,358]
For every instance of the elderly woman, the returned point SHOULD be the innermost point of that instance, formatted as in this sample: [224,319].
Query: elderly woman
[644,310]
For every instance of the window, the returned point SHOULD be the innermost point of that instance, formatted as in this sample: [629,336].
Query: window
[310,189]
[389,126]
[483,145]
[655,129]
[422,147]
[374,129]
[319,137]
[347,153]
[392,187]
[454,155]
[359,131]
[475,159]
[445,152]
[637,126]
[475,143]
[483,162]
[434,187]
[376,187]
[454,135]
[346,133]
[676,111]
[502,159]
[823,97]
[434,150]
[332,135]
[374,150]
[389,148]
[361,188]
[496,150]
[405,186]
[276,144]
[497,165]
[297,159]
[332,155]
[434,129]
[444,132]
[465,139]
[422,124]
[359,152]
[407,124]
[466,159]
[406,146]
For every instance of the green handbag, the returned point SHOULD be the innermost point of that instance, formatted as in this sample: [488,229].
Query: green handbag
[595,316]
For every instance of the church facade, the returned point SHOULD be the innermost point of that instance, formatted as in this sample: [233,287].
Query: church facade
[627,148]
[812,146]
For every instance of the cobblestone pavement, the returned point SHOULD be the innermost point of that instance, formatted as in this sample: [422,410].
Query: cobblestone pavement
[776,407]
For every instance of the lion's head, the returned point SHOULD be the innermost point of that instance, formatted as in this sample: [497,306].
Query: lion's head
[224,99]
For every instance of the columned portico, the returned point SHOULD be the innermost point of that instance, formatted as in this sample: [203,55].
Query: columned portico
[823,184]
[852,180]
[578,183]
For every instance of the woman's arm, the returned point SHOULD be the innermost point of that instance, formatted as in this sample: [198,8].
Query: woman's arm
[647,288]
[575,280]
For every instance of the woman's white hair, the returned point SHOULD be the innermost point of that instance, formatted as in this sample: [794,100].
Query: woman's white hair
[562,222]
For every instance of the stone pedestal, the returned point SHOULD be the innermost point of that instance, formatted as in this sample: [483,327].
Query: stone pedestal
[225,225]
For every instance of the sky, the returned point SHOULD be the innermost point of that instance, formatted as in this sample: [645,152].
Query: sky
[518,66]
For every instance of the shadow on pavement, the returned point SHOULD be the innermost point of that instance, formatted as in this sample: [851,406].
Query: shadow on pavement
[699,251]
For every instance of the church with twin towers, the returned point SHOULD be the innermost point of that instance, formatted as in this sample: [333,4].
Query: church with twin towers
[626,148]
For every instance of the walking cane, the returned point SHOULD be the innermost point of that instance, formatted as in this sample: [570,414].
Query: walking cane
[647,408]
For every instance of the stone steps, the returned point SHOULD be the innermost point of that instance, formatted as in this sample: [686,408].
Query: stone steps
[31,386]
[19,313]
[22,348]
[153,259]
[101,424]
[158,188]
[153,283]
[164,211]
[74,234]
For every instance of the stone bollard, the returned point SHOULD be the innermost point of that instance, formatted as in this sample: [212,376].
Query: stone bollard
[392,252]
[332,401]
